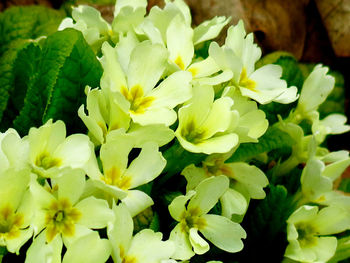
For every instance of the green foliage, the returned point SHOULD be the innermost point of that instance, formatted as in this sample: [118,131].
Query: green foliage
[265,223]
[50,82]
[273,139]
[345,185]
[29,22]
[154,225]
[7,61]
[3,252]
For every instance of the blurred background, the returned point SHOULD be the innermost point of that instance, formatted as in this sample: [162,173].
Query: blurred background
[314,31]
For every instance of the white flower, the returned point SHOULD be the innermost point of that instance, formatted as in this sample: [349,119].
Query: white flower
[16,209]
[60,214]
[316,88]
[309,233]
[191,213]
[203,121]
[147,102]
[118,178]
[239,55]
[51,153]
[146,246]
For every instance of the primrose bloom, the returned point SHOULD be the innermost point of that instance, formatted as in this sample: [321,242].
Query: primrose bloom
[127,16]
[147,102]
[317,181]
[203,121]
[191,213]
[15,209]
[309,233]
[145,247]
[239,55]
[13,151]
[90,22]
[108,115]
[51,153]
[171,27]
[248,122]
[316,88]
[246,182]
[332,124]
[119,179]
[62,216]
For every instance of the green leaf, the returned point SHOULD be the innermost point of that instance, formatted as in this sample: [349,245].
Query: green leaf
[7,61]
[343,250]
[29,22]
[24,68]
[3,252]
[154,225]
[66,66]
[345,185]
[273,139]
[265,224]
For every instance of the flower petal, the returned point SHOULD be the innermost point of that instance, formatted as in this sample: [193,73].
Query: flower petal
[120,231]
[147,166]
[233,202]
[203,201]
[148,247]
[95,250]
[178,206]
[137,201]
[71,185]
[223,233]
[179,42]
[183,247]
[200,246]
[41,252]
[147,64]
[95,213]
[174,90]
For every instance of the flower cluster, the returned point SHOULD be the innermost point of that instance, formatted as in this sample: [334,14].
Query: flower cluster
[84,195]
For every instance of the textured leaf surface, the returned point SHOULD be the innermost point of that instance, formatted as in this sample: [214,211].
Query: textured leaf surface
[66,66]
[28,22]
[265,223]
[6,76]
[273,139]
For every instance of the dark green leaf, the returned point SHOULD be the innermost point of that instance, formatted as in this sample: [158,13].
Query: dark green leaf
[30,22]
[7,61]
[273,139]
[56,91]
[265,224]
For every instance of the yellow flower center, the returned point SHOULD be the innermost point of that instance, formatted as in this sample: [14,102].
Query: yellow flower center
[60,218]
[45,161]
[138,102]
[245,82]
[307,234]
[10,222]
[191,218]
[192,134]
[115,177]
[179,62]
[125,258]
